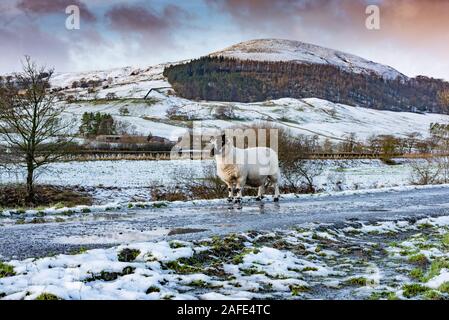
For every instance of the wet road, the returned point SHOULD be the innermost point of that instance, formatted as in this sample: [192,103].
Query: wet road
[199,221]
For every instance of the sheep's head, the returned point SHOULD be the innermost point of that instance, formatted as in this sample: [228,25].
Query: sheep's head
[218,144]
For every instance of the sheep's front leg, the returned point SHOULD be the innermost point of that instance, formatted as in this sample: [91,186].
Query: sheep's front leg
[260,193]
[230,192]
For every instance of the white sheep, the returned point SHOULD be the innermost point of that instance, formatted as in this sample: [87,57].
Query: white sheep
[255,167]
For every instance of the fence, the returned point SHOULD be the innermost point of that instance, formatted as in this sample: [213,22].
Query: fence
[98,155]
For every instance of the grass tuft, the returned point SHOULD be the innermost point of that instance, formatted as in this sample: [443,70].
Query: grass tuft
[153,289]
[413,290]
[128,255]
[296,290]
[444,287]
[419,259]
[358,281]
[6,270]
[47,296]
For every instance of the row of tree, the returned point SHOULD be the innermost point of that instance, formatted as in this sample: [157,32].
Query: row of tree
[95,124]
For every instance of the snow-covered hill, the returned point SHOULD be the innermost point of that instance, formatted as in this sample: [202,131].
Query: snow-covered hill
[288,50]
[167,115]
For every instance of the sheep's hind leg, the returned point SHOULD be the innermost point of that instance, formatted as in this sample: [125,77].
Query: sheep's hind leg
[239,193]
[276,192]
[274,181]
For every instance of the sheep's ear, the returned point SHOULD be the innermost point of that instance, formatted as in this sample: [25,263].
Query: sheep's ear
[223,140]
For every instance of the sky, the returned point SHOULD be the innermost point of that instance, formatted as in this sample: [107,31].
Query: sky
[413,35]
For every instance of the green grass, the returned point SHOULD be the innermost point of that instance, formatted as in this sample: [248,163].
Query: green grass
[408,252]
[413,290]
[444,287]
[419,259]
[78,251]
[432,295]
[425,226]
[435,269]
[417,274]
[153,289]
[358,281]
[296,290]
[38,220]
[176,244]
[252,270]
[59,205]
[110,276]
[180,268]
[200,284]
[445,240]
[6,270]
[20,221]
[384,295]
[309,269]
[47,296]
[128,255]
[238,259]
[229,249]
[160,205]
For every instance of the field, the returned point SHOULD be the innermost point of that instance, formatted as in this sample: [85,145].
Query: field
[119,182]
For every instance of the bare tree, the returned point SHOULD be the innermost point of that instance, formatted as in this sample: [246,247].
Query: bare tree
[225,113]
[30,121]
[298,171]
[302,173]
[411,141]
[425,171]
[350,143]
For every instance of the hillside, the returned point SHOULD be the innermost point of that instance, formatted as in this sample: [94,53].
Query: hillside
[230,79]
[295,51]
[168,115]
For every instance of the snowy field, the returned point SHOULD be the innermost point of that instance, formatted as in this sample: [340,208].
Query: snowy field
[120,181]
[305,116]
[404,259]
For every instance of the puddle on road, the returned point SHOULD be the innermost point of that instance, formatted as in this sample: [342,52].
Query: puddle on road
[123,236]
[177,231]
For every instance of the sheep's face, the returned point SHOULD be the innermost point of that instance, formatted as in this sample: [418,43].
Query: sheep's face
[218,144]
